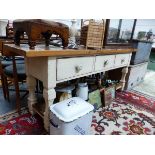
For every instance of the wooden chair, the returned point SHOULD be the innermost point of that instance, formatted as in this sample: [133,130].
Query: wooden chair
[15,73]
[5,62]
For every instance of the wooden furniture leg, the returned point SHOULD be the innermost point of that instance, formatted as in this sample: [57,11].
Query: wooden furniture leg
[15,78]
[49,83]
[3,86]
[46,72]
[124,73]
[2,81]
[32,39]
[17,36]
[47,36]
[6,88]
[31,84]
[49,96]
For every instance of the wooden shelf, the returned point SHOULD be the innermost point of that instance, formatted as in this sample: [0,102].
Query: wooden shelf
[39,108]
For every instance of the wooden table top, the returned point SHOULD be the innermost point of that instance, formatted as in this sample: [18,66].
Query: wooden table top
[52,51]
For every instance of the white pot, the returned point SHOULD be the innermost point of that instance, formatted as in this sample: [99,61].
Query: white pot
[82,91]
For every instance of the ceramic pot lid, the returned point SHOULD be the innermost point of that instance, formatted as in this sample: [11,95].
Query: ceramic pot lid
[71,109]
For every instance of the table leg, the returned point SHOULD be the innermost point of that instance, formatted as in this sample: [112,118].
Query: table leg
[49,96]
[46,72]
[124,73]
[31,83]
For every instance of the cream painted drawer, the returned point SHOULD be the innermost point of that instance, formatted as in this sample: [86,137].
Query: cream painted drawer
[72,67]
[122,59]
[104,62]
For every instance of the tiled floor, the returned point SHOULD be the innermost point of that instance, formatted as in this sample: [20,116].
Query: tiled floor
[147,87]
[151,64]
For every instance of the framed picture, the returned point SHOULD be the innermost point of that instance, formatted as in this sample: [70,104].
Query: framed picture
[107,95]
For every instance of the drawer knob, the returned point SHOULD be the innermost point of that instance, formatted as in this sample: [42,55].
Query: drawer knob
[122,61]
[78,69]
[105,63]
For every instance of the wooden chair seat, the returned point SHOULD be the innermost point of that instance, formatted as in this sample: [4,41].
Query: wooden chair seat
[8,71]
[6,63]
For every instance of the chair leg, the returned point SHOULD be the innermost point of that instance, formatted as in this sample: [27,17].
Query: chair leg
[3,86]
[18,106]
[6,87]
[37,86]
[15,77]
[2,80]
[27,92]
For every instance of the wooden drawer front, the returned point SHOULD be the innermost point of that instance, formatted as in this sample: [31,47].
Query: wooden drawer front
[104,62]
[122,59]
[72,67]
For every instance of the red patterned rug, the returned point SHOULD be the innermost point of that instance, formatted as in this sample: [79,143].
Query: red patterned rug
[25,124]
[139,101]
[122,118]
[127,115]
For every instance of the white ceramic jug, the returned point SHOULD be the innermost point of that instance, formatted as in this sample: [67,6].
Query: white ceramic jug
[82,91]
